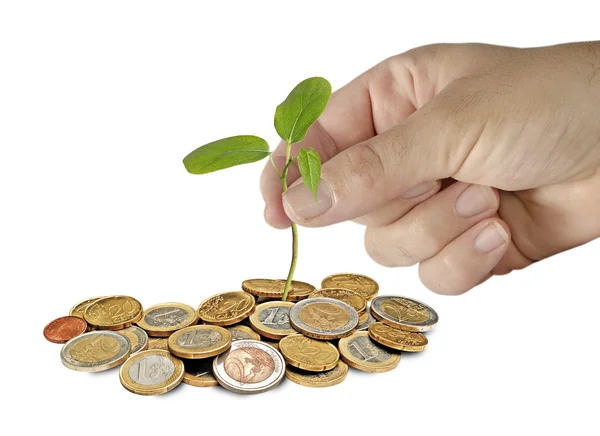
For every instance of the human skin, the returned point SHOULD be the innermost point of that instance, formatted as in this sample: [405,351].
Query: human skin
[472,160]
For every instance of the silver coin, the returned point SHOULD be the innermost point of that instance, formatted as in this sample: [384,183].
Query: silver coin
[365,325]
[324,324]
[95,351]
[239,332]
[249,367]
[404,313]
[142,338]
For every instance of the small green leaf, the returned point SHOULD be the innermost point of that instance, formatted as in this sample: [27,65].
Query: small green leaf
[301,108]
[225,153]
[309,163]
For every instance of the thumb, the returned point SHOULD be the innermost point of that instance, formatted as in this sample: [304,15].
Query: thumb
[429,145]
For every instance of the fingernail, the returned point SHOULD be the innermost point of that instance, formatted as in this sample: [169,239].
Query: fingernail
[420,189]
[299,202]
[475,200]
[490,238]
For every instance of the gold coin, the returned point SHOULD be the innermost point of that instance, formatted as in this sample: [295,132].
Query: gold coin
[308,354]
[158,344]
[360,352]
[239,332]
[95,351]
[138,338]
[227,308]
[198,372]
[79,309]
[323,318]
[365,286]
[318,379]
[397,339]
[352,298]
[272,319]
[404,313]
[199,342]
[151,372]
[163,319]
[273,289]
[113,313]
[362,318]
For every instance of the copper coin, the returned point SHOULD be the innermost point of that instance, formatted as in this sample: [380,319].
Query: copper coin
[64,328]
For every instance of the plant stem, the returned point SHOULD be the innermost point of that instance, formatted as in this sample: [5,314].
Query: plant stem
[288,282]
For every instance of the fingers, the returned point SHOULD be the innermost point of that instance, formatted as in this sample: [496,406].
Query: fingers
[468,260]
[430,226]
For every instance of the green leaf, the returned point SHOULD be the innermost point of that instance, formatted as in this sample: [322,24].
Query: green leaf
[301,108]
[225,153]
[309,163]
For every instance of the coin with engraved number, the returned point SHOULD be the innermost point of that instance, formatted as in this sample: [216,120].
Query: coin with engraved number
[404,313]
[365,286]
[227,308]
[242,332]
[198,372]
[249,367]
[199,341]
[137,337]
[95,351]
[323,318]
[158,344]
[352,298]
[308,354]
[151,372]
[272,319]
[113,313]
[79,308]
[366,321]
[397,339]
[163,319]
[273,289]
[64,329]
[318,379]
[360,352]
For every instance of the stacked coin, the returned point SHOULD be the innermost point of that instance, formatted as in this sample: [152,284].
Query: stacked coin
[248,340]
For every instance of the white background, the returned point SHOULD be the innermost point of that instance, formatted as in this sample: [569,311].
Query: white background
[100,101]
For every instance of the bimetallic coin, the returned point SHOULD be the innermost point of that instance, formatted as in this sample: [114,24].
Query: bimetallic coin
[158,344]
[364,325]
[360,352]
[323,318]
[397,339]
[239,332]
[199,341]
[404,313]
[137,337]
[318,379]
[365,286]
[272,319]
[308,354]
[227,308]
[352,298]
[79,308]
[163,319]
[64,329]
[273,289]
[113,313]
[198,372]
[151,372]
[95,351]
[249,367]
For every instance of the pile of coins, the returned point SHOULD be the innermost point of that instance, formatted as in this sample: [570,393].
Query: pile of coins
[245,341]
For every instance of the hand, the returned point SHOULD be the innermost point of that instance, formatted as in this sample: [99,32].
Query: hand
[413,146]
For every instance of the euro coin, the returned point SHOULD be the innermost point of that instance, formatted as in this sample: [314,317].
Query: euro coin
[272,343]
[242,332]
[95,351]
[158,344]
[323,318]
[227,308]
[151,372]
[199,341]
[64,329]
[364,325]
[397,339]
[137,337]
[352,298]
[365,286]
[273,289]
[249,367]
[272,319]
[318,379]
[163,319]
[360,352]
[79,308]
[113,313]
[404,313]
[198,372]
[308,354]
